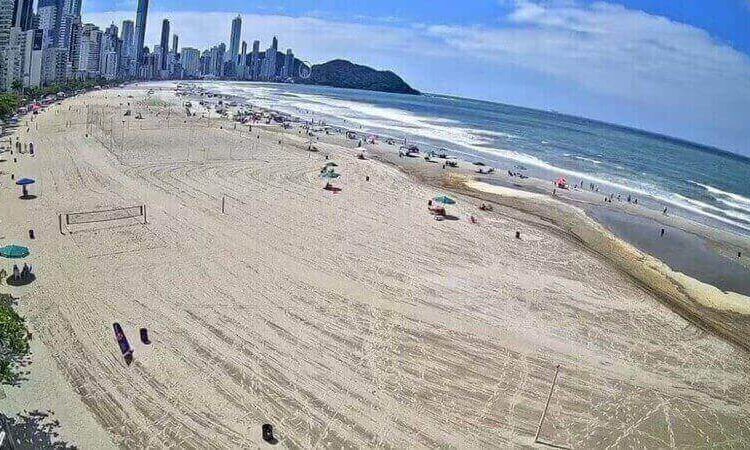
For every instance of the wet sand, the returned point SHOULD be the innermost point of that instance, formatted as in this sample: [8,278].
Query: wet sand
[682,251]
[349,319]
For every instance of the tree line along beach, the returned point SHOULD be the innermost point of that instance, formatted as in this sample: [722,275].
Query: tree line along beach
[347,316]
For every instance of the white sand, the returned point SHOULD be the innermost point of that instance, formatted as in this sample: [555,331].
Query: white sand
[349,319]
[503,191]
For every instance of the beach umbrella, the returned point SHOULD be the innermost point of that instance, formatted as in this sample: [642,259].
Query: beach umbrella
[330,175]
[444,200]
[25,181]
[328,166]
[14,251]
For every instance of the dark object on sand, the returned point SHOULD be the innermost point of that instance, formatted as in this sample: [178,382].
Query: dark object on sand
[662,232]
[31,234]
[122,341]
[268,434]
[144,336]
[518,235]
[367,178]
[739,254]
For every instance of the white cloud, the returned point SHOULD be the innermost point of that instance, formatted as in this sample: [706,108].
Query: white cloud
[612,50]
[671,77]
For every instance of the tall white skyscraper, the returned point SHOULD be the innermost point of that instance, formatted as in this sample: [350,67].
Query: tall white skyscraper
[234,40]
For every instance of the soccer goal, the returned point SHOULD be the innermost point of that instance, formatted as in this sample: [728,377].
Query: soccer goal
[127,215]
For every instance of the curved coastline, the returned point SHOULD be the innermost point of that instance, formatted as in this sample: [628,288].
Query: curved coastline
[378,298]
[726,313]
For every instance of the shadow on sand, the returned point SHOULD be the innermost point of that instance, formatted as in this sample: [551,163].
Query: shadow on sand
[33,430]
[27,197]
[23,281]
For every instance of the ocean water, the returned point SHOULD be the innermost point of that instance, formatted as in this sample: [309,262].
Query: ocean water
[702,182]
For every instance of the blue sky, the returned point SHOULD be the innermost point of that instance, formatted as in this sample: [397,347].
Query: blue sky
[680,68]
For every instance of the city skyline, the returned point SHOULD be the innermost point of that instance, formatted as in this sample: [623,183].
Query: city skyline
[54,45]
[638,63]
[606,61]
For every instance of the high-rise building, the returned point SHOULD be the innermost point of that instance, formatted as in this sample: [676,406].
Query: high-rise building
[89,52]
[164,44]
[48,12]
[6,21]
[128,43]
[175,41]
[32,66]
[127,51]
[242,66]
[140,30]
[255,61]
[234,40]
[71,13]
[268,69]
[12,46]
[111,49]
[190,62]
[23,13]
[288,69]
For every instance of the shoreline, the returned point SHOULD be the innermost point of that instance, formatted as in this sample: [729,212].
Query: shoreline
[350,318]
[687,294]
[726,241]
[537,169]
[727,314]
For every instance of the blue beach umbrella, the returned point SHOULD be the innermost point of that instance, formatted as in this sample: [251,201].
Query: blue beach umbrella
[25,181]
[444,200]
[14,251]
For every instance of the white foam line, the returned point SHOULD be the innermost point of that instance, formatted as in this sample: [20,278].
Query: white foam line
[736,197]
[401,121]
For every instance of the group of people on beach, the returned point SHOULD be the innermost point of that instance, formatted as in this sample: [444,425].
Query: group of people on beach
[629,199]
[18,274]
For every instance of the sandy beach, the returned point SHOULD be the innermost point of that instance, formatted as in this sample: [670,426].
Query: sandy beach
[346,318]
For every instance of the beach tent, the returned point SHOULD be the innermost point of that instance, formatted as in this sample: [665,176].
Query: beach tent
[14,251]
